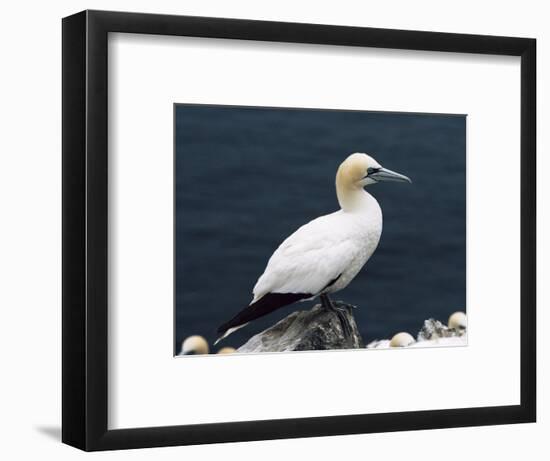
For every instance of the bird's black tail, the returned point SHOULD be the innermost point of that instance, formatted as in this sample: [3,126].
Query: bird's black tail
[263,306]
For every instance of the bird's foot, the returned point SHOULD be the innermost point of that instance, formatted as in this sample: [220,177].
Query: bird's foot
[344,322]
[341,310]
[342,304]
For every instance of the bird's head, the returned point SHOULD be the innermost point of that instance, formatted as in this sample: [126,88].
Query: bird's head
[360,170]
[357,171]
[458,321]
[194,345]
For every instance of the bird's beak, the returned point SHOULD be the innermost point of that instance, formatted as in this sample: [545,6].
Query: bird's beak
[383,174]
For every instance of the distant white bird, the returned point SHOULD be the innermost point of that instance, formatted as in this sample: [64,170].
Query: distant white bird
[402,339]
[226,350]
[194,345]
[324,255]
[458,321]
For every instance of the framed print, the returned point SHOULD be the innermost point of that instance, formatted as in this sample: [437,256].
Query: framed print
[278,230]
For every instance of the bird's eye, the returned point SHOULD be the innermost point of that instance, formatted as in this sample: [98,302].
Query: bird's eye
[372,170]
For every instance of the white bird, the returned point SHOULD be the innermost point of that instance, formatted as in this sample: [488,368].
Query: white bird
[324,255]
[227,350]
[402,339]
[194,345]
[458,321]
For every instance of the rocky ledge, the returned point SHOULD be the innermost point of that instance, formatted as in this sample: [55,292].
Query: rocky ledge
[321,329]
[432,334]
[314,329]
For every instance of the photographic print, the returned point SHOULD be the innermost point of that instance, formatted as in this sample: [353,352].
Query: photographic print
[312,229]
[288,219]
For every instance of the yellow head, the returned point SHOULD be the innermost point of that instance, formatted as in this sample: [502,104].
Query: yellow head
[458,321]
[194,345]
[402,339]
[227,350]
[358,171]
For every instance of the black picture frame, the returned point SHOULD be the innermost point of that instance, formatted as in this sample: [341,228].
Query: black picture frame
[85,224]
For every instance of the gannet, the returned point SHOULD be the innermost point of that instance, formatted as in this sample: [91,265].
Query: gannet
[226,350]
[458,321]
[402,339]
[194,345]
[324,255]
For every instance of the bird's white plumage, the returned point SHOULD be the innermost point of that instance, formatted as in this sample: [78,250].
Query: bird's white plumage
[337,244]
[458,320]
[194,344]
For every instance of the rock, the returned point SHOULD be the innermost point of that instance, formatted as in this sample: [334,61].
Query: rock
[432,334]
[379,344]
[311,330]
[434,329]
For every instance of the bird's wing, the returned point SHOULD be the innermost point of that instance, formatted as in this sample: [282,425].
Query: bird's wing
[308,260]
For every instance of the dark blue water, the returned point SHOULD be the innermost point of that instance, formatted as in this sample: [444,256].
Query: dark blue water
[246,178]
